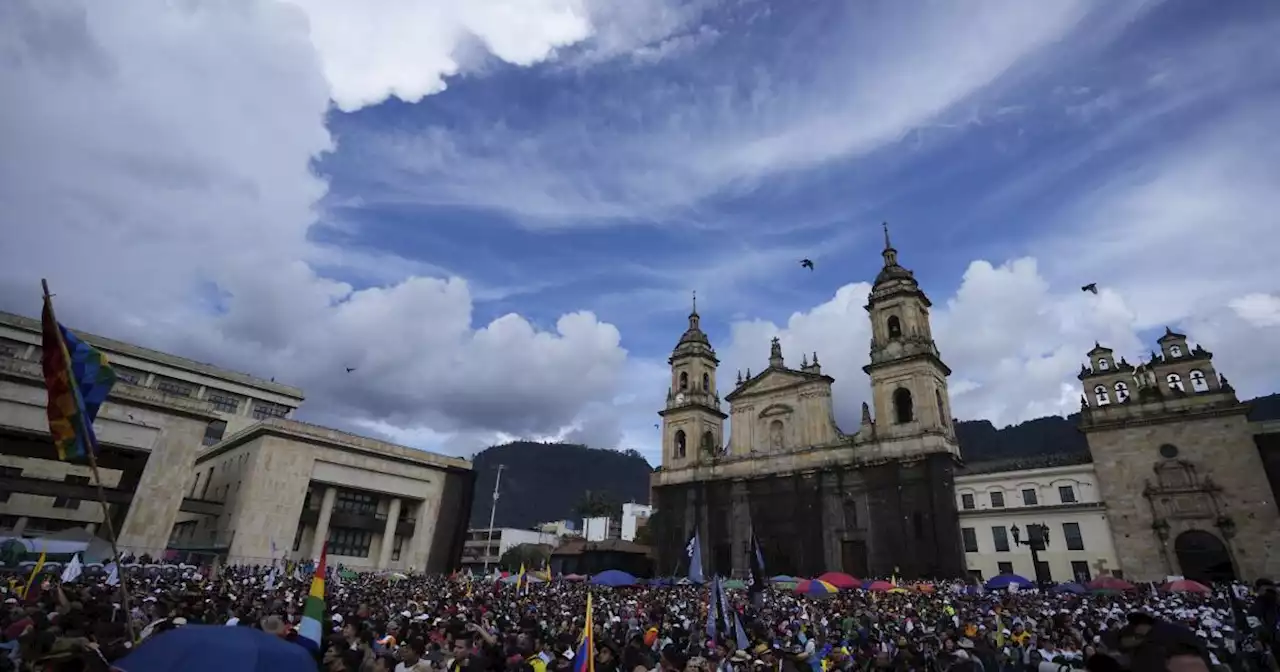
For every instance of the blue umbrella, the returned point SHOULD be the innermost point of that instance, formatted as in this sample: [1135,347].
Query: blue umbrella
[613,577]
[783,578]
[217,648]
[1003,581]
[1073,588]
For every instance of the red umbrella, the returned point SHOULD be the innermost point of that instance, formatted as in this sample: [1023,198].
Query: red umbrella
[1187,586]
[881,586]
[840,580]
[1108,582]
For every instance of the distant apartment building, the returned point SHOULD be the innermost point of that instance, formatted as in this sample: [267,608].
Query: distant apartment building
[561,528]
[484,546]
[634,516]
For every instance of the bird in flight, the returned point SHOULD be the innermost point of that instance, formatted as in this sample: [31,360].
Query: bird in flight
[805,263]
[1091,287]
[350,369]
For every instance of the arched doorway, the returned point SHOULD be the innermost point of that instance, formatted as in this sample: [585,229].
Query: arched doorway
[1203,557]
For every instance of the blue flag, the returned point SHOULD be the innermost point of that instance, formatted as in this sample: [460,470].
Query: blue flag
[694,552]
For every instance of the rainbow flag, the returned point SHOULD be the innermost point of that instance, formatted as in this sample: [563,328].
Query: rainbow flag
[78,379]
[309,630]
[585,659]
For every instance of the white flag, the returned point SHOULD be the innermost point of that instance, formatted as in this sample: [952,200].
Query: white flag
[73,569]
[113,574]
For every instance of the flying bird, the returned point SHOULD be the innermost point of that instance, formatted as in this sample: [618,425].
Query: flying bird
[1091,287]
[805,263]
[350,369]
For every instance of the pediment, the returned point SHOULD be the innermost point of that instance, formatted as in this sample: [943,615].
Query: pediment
[775,410]
[772,379]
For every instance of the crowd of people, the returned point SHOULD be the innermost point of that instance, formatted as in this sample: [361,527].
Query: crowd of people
[379,622]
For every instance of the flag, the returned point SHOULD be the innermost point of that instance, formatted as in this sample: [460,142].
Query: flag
[713,609]
[73,569]
[78,379]
[31,580]
[520,580]
[309,629]
[694,552]
[113,574]
[759,579]
[740,633]
[585,659]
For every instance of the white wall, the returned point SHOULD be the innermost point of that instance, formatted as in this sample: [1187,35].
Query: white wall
[632,515]
[595,529]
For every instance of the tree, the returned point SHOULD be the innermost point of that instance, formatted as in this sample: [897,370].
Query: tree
[595,504]
[530,556]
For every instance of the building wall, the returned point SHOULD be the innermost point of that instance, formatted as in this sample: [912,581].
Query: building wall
[504,538]
[634,517]
[1084,509]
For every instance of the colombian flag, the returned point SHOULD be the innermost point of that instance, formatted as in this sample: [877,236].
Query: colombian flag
[585,659]
[309,630]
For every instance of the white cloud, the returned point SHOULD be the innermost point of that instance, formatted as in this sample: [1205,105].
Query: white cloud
[1258,309]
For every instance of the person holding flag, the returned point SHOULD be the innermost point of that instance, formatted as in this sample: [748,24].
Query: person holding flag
[585,658]
[309,629]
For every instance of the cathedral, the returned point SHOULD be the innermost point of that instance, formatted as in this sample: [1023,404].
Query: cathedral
[874,502]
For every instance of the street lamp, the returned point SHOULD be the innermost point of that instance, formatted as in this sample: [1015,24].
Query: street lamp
[1037,540]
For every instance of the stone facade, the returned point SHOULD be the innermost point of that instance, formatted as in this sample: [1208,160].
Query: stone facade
[874,502]
[1178,466]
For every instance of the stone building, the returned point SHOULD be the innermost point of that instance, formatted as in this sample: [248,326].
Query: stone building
[1184,477]
[999,501]
[183,467]
[870,503]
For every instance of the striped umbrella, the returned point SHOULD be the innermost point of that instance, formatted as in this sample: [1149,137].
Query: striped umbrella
[816,588]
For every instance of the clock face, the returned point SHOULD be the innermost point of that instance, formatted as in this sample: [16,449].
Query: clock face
[680,398]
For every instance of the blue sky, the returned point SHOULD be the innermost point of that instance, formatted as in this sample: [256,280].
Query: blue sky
[426,191]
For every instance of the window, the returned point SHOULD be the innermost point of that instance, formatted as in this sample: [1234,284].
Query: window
[9,349]
[706,382]
[1043,573]
[1175,351]
[684,381]
[709,443]
[213,433]
[1000,536]
[681,445]
[129,376]
[1174,381]
[1067,494]
[356,502]
[223,401]
[1080,571]
[174,387]
[204,491]
[70,502]
[895,327]
[1029,497]
[1168,451]
[970,538]
[902,409]
[997,499]
[395,549]
[966,501]
[1071,532]
[265,409]
[8,472]
[942,409]
[1198,383]
[1122,392]
[1100,395]
[1004,567]
[917,522]
[350,542]
[1103,364]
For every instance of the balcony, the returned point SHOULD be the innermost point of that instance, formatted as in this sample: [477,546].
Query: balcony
[370,522]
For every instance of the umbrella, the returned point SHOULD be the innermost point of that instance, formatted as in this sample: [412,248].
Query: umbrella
[840,580]
[816,588]
[215,648]
[529,578]
[925,587]
[734,584]
[613,577]
[783,578]
[1073,588]
[1003,581]
[880,586]
[574,577]
[1187,586]
[1108,582]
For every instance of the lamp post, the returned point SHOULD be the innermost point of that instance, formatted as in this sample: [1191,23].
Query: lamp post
[1037,540]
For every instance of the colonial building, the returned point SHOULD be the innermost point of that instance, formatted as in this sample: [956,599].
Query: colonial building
[196,459]
[872,502]
[1179,466]
[1000,501]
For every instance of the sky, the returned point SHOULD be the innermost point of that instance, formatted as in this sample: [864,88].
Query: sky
[497,212]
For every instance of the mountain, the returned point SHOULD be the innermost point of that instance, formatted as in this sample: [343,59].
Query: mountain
[544,481]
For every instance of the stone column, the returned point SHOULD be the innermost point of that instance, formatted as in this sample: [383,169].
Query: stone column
[322,524]
[160,487]
[20,525]
[423,528]
[389,533]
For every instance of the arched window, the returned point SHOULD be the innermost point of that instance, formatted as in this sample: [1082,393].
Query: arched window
[684,381]
[1103,364]
[895,327]
[681,446]
[1100,395]
[902,408]
[706,382]
[709,443]
[1175,382]
[942,409]
[1175,351]
[1198,383]
[1122,392]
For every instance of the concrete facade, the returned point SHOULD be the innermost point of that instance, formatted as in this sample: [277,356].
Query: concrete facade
[1066,499]
[500,541]
[872,502]
[1179,467]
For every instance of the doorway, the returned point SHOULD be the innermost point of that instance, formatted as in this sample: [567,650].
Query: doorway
[853,557]
[1203,557]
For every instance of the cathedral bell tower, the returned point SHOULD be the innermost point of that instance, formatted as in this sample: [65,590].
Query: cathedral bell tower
[908,376]
[692,423]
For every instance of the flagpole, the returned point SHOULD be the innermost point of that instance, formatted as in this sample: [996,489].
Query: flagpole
[97,476]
